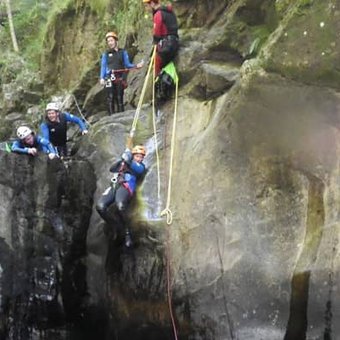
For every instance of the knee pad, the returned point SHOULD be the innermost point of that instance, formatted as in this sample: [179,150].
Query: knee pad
[100,207]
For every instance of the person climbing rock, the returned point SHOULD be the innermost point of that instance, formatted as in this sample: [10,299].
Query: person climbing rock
[115,63]
[54,128]
[29,143]
[125,171]
[165,33]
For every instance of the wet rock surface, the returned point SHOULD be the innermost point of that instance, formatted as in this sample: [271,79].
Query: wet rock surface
[252,249]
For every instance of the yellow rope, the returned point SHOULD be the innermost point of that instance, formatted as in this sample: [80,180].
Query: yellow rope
[155,135]
[141,98]
[167,211]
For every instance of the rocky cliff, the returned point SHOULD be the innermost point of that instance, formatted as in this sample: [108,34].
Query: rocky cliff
[252,250]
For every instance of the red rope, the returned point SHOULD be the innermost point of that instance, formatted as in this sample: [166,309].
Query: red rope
[125,69]
[168,275]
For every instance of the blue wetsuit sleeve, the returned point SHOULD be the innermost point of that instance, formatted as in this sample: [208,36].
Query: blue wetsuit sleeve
[74,119]
[45,132]
[17,147]
[104,71]
[137,168]
[45,145]
[126,60]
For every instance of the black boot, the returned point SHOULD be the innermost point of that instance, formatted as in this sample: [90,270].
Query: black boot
[120,108]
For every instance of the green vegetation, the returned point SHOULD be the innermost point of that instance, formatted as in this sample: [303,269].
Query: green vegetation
[283,6]
[29,17]
[260,34]
[128,16]
[32,17]
[99,6]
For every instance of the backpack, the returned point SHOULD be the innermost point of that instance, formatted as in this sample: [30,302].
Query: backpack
[166,82]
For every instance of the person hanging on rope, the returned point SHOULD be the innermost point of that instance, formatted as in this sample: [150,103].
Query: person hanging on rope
[115,63]
[54,128]
[126,172]
[165,33]
[29,143]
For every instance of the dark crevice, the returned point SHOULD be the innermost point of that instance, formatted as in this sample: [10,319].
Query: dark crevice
[297,323]
[298,315]
[328,313]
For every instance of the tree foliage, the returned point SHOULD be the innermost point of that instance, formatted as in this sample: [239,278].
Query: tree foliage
[29,17]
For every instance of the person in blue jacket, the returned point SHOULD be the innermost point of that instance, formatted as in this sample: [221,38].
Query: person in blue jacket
[29,143]
[126,172]
[54,128]
[115,82]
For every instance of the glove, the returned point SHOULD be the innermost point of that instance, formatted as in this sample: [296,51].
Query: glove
[84,132]
[32,151]
[126,157]
[52,155]
[140,64]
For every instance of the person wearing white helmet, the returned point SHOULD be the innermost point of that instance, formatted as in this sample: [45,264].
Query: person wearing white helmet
[29,143]
[115,81]
[126,172]
[54,128]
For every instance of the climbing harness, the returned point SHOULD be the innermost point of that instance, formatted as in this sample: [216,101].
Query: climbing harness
[113,78]
[115,180]
[118,179]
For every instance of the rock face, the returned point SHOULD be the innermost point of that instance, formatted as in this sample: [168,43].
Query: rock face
[252,250]
[45,210]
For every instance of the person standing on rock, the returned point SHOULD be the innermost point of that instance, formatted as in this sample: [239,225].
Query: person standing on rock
[126,172]
[54,128]
[165,33]
[30,144]
[115,63]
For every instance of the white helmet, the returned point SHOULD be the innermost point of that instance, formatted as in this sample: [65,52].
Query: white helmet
[52,106]
[23,132]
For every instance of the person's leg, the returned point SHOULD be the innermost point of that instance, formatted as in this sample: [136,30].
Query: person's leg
[105,200]
[169,52]
[110,100]
[122,200]
[120,96]
[158,64]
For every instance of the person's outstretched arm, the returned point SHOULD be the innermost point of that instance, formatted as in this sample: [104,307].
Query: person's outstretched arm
[18,148]
[74,119]
[44,130]
[46,146]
